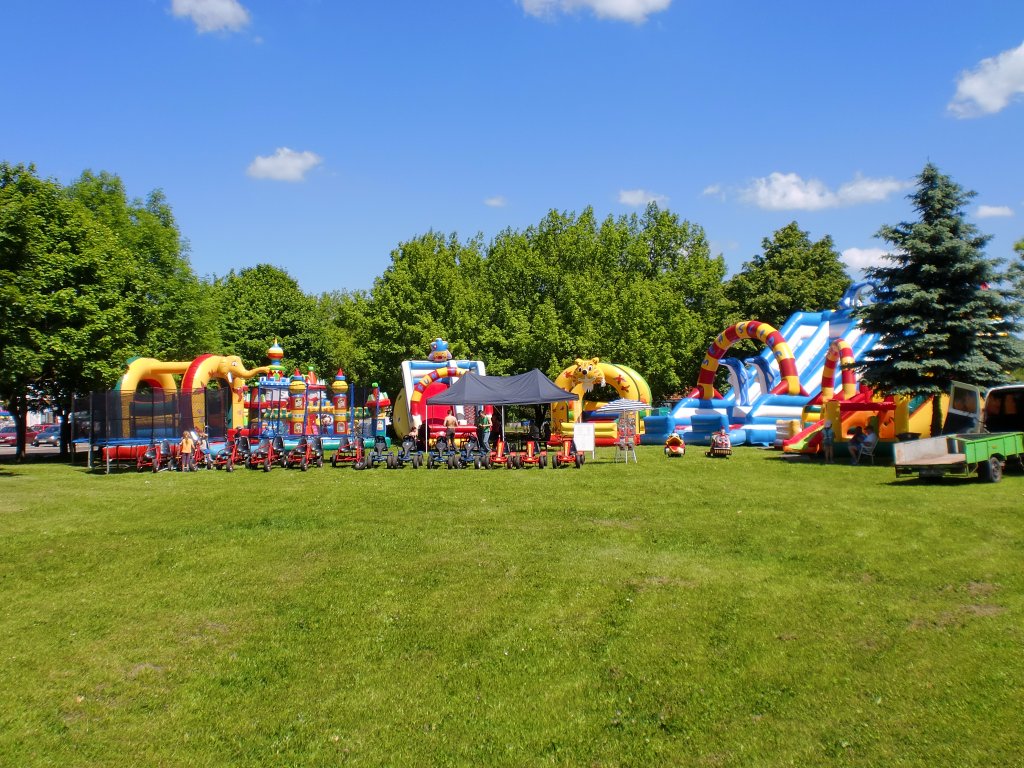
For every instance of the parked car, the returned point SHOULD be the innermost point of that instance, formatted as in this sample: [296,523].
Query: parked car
[49,435]
[9,435]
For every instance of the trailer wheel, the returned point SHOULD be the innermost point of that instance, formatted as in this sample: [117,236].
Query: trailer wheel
[992,472]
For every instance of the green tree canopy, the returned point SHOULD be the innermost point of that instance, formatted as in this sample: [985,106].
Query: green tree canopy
[792,274]
[174,318]
[943,310]
[261,303]
[66,296]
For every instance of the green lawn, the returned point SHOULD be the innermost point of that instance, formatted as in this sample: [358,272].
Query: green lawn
[749,611]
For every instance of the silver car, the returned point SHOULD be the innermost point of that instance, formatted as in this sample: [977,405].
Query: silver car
[50,435]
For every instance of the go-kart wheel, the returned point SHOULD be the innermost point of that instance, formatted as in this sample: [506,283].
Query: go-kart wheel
[303,465]
[334,461]
[543,461]
[230,466]
[579,460]
[267,464]
[319,462]
[476,463]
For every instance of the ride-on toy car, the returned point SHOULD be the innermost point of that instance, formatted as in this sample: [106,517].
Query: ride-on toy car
[721,445]
[308,452]
[674,445]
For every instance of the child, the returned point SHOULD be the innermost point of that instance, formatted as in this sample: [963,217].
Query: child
[186,448]
[828,441]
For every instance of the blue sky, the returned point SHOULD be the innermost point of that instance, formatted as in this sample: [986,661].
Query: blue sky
[316,135]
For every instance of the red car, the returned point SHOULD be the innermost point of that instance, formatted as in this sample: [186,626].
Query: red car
[9,435]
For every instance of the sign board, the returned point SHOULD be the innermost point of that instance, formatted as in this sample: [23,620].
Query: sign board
[583,436]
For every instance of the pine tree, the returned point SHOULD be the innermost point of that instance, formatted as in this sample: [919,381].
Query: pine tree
[943,309]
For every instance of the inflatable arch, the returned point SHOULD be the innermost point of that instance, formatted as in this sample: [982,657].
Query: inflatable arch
[754,330]
[422,379]
[584,375]
[450,371]
[839,353]
[195,374]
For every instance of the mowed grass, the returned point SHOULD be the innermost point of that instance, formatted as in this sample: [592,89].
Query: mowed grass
[754,611]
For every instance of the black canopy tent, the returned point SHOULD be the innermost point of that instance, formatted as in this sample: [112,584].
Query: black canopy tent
[530,388]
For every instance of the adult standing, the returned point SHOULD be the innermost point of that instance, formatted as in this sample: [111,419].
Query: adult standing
[483,428]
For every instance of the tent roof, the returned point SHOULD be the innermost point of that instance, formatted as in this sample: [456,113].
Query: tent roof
[528,388]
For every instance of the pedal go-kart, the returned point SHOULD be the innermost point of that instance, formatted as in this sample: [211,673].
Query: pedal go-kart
[350,451]
[220,454]
[442,453]
[674,445]
[501,456]
[567,455]
[408,453]
[267,453]
[308,452]
[532,454]
[473,454]
[157,456]
[378,454]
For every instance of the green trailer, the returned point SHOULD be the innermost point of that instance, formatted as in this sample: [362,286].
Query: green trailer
[960,455]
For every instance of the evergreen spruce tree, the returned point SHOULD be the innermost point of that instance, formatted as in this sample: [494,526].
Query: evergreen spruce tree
[943,309]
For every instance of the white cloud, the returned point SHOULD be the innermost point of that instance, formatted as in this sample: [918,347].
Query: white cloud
[990,86]
[635,11]
[498,201]
[640,197]
[789,191]
[284,165]
[994,211]
[212,15]
[713,190]
[861,258]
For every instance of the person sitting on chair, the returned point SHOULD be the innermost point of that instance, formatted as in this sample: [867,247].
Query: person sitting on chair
[862,440]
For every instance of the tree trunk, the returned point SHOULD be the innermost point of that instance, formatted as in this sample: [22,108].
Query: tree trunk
[936,415]
[19,410]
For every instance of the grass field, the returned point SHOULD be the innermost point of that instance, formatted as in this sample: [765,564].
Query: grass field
[753,611]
